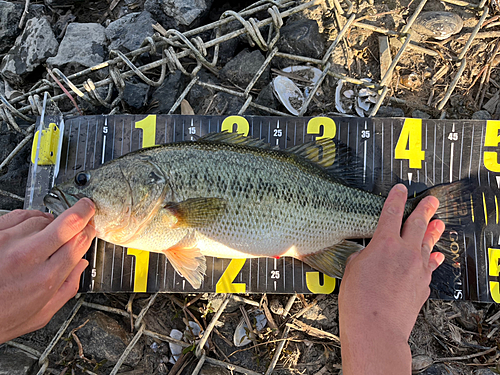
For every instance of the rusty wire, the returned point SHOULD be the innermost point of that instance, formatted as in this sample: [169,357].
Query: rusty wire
[122,66]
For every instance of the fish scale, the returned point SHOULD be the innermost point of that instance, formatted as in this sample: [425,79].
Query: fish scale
[281,205]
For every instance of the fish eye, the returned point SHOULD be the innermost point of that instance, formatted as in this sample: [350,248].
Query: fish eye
[82,178]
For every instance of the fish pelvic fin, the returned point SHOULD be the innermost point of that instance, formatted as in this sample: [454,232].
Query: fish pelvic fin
[332,260]
[189,262]
[197,212]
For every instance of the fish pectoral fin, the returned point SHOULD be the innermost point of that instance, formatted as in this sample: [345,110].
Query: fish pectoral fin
[196,212]
[332,260]
[189,262]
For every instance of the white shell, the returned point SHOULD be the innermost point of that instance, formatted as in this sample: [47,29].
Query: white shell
[338,102]
[359,111]
[363,104]
[288,94]
[308,72]
[240,337]
[348,94]
[366,92]
[175,350]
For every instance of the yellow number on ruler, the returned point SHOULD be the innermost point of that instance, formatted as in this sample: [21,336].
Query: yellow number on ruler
[225,283]
[329,131]
[491,139]
[242,126]
[148,126]
[316,123]
[141,269]
[312,281]
[411,137]
[494,270]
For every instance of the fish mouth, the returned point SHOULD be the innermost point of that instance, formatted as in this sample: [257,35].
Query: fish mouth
[58,202]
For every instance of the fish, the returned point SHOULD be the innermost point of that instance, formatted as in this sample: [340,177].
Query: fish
[230,196]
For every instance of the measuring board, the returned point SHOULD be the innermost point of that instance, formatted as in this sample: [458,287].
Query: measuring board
[419,153]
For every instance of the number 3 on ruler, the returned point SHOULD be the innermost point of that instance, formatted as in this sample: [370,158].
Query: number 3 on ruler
[494,271]
[409,144]
[148,126]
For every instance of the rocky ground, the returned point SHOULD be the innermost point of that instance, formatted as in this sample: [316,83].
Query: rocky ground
[449,337]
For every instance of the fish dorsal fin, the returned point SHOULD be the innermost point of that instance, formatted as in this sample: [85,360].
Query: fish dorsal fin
[332,260]
[189,262]
[196,212]
[334,157]
[234,139]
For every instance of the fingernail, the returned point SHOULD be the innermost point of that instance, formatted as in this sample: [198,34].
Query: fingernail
[90,230]
[89,202]
[48,215]
[401,188]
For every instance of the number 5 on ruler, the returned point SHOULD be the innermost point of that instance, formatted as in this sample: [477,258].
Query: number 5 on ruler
[148,126]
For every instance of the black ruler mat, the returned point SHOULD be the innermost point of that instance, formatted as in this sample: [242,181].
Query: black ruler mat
[421,153]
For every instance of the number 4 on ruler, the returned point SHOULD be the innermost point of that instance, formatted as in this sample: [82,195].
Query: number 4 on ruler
[409,145]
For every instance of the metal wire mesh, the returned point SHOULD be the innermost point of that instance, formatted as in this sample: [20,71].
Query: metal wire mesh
[171,46]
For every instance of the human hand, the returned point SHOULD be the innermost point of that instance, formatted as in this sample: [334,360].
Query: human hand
[385,285]
[41,264]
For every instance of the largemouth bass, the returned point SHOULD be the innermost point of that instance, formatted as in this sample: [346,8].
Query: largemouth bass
[229,196]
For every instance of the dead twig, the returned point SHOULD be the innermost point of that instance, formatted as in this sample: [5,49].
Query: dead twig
[469,356]
[301,326]
[25,14]
[77,340]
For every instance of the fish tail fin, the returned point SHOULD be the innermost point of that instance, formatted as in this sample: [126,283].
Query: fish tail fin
[332,260]
[456,209]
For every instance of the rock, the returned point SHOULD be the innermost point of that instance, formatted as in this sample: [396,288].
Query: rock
[388,111]
[10,92]
[84,44]
[420,114]
[420,362]
[438,369]
[208,369]
[484,371]
[15,362]
[199,97]
[135,94]
[167,93]
[300,38]
[13,177]
[36,10]
[10,15]
[242,68]
[62,3]
[96,107]
[227,104]
[267,98]
[127,33]
[481,115]
[178,14]
[103,337]
[32,47]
